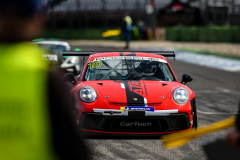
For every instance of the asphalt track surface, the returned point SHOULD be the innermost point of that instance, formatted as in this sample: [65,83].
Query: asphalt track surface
[217,96]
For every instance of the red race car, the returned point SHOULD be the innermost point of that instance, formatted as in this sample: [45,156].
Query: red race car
[131,93]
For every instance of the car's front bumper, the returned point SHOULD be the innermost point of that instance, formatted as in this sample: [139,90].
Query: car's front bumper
[135,122]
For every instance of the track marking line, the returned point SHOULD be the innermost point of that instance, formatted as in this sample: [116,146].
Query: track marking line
[212,61]
[214,112]
[218,90]
[210,91]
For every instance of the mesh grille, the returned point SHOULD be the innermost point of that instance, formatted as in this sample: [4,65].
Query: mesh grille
[179,122]
[91,121]
[130,124]
[133,125]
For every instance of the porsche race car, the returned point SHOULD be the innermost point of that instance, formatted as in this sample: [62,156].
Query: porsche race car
[132,93]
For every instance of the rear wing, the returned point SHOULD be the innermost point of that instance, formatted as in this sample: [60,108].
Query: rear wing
[88,53]
[85,54]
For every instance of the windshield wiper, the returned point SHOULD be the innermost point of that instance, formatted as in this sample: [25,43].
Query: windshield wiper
[127,69]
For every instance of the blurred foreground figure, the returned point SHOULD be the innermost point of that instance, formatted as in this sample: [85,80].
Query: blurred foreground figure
[126,28]
[232,138]
[35,117]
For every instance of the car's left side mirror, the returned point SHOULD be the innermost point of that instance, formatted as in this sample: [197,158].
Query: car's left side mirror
[69,77]
[186,78]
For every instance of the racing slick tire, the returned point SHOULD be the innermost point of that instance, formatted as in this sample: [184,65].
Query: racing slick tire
[75,71]
[194,115]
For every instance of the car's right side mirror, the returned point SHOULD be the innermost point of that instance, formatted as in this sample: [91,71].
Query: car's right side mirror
[186,78]
[69,77]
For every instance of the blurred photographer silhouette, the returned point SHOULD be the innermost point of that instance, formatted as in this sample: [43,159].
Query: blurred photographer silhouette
[36,121]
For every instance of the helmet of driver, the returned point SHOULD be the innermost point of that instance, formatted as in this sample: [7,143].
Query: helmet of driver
[148,69]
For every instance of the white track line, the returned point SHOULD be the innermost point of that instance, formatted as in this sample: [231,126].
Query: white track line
[214,112]
[212,61]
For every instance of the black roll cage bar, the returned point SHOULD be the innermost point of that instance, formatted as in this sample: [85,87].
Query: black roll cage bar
[88,53]
[85,54]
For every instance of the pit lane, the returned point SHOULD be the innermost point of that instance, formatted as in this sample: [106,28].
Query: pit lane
[217,95]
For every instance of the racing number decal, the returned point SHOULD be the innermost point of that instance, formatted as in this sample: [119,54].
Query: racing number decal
[96,64]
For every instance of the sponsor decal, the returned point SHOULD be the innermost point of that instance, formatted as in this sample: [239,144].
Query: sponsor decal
[134,89]
[137,87]
[96,64]
[50,57]
[131,94]
[145,102]
[137,108]
[92,60]
[135,124]
[122,85]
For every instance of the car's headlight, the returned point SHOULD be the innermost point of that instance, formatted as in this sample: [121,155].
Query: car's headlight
[180,95]
[87,94]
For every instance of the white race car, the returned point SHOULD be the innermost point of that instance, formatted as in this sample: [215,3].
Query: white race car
[55,48]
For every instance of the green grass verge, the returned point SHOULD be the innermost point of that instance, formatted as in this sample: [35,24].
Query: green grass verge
[86,34]
[73,34]
[204,34]
[203,51]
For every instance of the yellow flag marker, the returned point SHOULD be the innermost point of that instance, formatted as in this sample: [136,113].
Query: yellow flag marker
[109,33]
[179,139]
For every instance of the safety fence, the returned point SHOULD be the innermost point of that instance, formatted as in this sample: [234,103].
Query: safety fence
[204,34]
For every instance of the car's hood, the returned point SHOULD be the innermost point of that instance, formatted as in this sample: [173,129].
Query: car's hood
[133,92]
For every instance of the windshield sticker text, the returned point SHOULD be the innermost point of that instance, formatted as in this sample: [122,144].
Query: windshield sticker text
[96,64]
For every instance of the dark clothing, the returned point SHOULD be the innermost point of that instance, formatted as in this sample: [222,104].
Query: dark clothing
[124,26]
[127,36]
[25,8]
[66,137]
[126,31]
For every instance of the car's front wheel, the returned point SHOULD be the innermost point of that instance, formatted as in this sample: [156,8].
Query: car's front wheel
[76,70]
[195,124]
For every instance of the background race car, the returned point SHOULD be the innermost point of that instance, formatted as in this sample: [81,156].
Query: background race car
[131,93]
[55,47]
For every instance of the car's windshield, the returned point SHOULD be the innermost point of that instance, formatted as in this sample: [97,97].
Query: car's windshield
[54,48]
[128,68]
